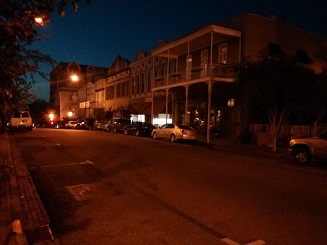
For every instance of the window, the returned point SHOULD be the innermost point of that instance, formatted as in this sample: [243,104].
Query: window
[16,115]
[137,84]
[204,61]
[160,71]
[204,58]
[188,66]
[149,80]
[222,56]
[123,89]
[133,86]
[172,66]
[142,82]
[118,90]
[110,92]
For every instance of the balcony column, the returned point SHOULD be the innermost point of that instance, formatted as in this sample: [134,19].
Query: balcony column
[152,107]
[186,103]
[167,75]
[167,91]
[208,110]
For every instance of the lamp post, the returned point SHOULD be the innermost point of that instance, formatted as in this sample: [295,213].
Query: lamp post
[74,77]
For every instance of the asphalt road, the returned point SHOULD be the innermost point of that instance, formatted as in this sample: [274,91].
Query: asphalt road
[106,188]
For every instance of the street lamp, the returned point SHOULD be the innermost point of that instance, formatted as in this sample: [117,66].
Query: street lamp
[74,77]
[39,20]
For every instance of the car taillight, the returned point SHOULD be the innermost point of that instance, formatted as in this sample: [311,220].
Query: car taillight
[184,131]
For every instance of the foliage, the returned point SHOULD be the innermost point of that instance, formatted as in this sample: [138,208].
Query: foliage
[39,109]
[18,30]
[278,92]
[278,86]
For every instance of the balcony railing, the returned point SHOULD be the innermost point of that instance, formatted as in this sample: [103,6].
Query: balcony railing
[198,72]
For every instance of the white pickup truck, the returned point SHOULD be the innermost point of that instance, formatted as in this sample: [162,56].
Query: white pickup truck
[21,120]
[304,150]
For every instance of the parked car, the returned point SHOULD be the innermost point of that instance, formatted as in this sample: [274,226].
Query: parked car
[80,124]
[86,124]
[139,129]
[21,120]
[71,124]
[304,150]
[100,126]
[175,132]
[118,125]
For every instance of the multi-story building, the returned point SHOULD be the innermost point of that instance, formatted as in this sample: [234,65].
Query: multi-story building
[267,36]
[65,81]
[190,80]
[117,88]
[192,71]
[141,85]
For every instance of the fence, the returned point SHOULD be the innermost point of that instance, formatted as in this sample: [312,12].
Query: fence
[261,136]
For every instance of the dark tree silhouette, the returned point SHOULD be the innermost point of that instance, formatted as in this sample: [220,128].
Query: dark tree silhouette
[277,92]
[20,23]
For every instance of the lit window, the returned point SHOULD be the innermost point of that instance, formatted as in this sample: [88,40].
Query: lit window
[222,56]
[230,102]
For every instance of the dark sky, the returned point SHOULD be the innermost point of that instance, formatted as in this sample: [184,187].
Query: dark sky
[97,33]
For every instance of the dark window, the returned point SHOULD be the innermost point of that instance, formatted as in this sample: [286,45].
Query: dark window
[302,57]
[25,114]
[16,115]
[274,50]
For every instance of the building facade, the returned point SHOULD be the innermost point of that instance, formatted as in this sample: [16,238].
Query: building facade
[69,95]
[188,80]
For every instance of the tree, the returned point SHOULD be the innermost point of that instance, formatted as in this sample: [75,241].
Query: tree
[39,110]
[20,21]
[277,91]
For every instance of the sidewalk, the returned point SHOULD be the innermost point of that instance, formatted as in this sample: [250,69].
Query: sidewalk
[232,144]
[23,219]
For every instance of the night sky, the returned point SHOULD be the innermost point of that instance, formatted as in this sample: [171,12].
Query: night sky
[97,33]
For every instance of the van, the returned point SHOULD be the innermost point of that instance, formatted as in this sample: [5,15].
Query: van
[21,120]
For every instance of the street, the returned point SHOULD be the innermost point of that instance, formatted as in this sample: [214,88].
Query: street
[107,188]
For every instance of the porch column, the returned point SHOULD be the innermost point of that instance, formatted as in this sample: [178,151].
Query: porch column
[186,103]
[208,112]
[152,107]
[167,90]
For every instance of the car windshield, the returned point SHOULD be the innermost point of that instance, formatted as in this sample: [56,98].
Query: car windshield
[186,127]
[16,115]
[25,114]
[149,125]
[323,135]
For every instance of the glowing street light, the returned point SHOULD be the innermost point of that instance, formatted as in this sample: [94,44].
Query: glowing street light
[74,78]
[70,114]
[39,20]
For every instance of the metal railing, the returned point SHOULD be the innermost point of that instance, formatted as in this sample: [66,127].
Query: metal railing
[197,72]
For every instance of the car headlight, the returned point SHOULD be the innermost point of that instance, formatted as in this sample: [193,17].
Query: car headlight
[292,142]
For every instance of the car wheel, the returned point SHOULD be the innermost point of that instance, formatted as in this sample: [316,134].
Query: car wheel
[302,155]
[172,138]
[154,136]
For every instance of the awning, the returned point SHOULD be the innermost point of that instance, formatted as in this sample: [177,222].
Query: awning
[159,106]
[141,108]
